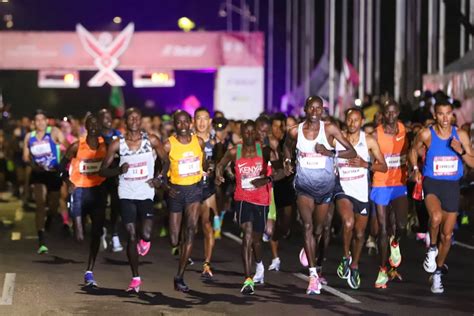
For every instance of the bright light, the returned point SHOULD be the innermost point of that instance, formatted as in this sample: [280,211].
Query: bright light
[186,24]
[417,93]
[9,24]
[159,77]
[358,102]
[5,1]
[117,20]
[69,78]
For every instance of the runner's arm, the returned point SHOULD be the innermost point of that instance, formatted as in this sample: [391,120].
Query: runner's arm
[466,148]
[105,170]
[277,173]
[228,157]
[421,139]
[379,164]
[26,149]
[58,137]
[289,148]
[349,151]
[165,162]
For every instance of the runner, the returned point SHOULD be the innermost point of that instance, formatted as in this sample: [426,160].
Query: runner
[315,178]
[136,187]
[252,197]
[85,184]
[352,193]
[41,150]
[111,184]
[389,189]
[208,207]
[447,148]
[184,156]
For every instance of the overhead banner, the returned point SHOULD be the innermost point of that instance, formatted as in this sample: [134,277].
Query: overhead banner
[128,50]
[239,92]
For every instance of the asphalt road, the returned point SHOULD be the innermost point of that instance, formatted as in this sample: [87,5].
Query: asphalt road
[51,284]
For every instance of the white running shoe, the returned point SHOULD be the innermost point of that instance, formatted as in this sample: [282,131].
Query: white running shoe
[116,245]
[430,261]
[275,266]
[259,273]
[436,284]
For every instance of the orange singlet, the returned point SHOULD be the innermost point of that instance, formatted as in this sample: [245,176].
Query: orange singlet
[395,150]
[86,165]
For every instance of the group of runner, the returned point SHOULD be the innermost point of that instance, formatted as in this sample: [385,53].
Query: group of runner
[266,165]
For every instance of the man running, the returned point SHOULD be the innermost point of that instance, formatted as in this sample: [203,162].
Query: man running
[352,193]
[447,148]
[41,150]
[109,134]
[389,189]
[136,188]
[314,141]
[88,194]
[252,196]
[184,156]
[208,207]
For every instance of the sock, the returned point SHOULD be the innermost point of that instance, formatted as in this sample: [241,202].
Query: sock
[312,272]
[87,272]
[432,246]
[137,278]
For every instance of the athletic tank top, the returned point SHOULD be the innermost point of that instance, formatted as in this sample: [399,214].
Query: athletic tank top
[442,162]
[44,152]
[355,181]
[395,149]
[86,165]
[132,184]
[246,170]
[185,161]
[108,138]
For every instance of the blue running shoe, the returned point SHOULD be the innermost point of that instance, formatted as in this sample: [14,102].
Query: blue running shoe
[89,279]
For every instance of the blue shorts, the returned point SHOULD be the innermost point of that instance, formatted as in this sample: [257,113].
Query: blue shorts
[384,195]
[86,200]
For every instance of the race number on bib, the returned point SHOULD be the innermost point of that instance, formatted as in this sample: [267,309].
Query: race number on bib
[138,171]
[40,149]
[395,161]
[312,161]
[88,167]
[445,166]
[189,166]
[246,183]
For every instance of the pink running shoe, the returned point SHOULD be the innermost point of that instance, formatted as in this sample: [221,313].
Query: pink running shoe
[143,247]
[134,285]
[314,286]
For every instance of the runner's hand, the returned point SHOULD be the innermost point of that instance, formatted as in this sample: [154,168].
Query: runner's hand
[320,149]
[259,182]
[124,168]
[70,186]
[456,146]
[416,175]
[219,180]
[358,162]
[287,167]
[154,183]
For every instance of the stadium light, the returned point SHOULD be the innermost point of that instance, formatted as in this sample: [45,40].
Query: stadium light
[186,24]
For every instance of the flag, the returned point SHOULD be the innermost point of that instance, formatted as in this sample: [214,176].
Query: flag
[348,81]
[116,101]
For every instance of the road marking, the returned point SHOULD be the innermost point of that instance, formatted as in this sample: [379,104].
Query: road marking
[233,237]
[8,287]
[330,289]
[30,237]
[18,214]
[461,244]
[301,276]
[16,235]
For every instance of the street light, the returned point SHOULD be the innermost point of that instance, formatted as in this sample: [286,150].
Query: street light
[117,20]
[186,24]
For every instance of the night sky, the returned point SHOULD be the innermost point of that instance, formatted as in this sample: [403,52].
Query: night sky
[20,87]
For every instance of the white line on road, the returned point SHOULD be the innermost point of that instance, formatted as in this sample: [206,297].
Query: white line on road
[301,276]
[8,287]
[30,237]
[329,289]
[16,235]
[18,214]
[461,244]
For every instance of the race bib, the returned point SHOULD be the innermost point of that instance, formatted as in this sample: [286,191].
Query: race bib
[39,149]
[395,161]
[137,171]
[189,166]
[246,183]
[89,166]
[445,166]
[312,161]
[347,173]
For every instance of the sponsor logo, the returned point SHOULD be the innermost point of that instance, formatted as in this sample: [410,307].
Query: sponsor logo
[183,50]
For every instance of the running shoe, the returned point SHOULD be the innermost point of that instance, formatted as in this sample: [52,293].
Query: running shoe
[143,247]
[322,279]
[217,234]
[206,271]
[134,285]
[436,283]
[103,240]
[179,285]
[190,262]
[394,274]
[175,251]
[314,286]
[248,288]
[42,250]
[395,255]
[430,261]
[354,278]
[382,279]
[163,232]
[259,273]
[89,279]
[116,245]
[275,266]
[371,246]
[343,270]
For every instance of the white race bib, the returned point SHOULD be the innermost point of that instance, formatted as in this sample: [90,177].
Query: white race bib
[348,173]
[312,160]
[395,161]
[88,167]
[39,149]
[137,171]
[189,166]
[445,166]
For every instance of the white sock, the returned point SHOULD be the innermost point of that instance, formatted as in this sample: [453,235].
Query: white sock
[137,278]
[312,272]
[87,272]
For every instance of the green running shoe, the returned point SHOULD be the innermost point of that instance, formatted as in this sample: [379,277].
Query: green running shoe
[343,270]
[354,279]
[42,249]
[382,279]
[249,287]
